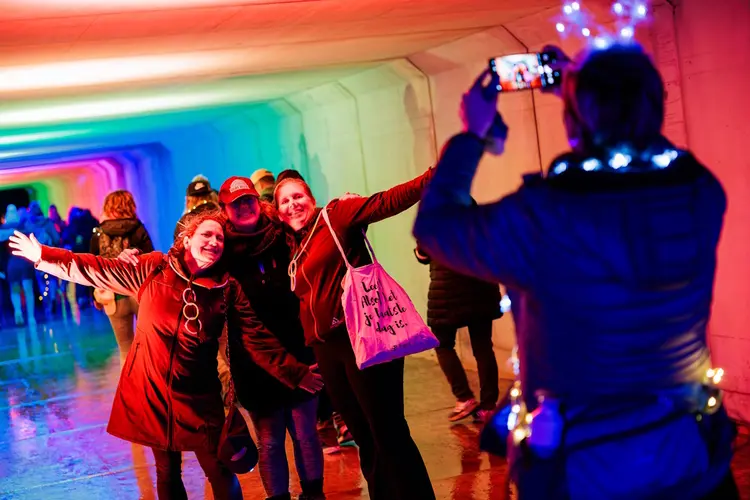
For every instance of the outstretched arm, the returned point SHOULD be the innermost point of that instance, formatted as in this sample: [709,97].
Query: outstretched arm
[86,269]
[245,329]
[385,204]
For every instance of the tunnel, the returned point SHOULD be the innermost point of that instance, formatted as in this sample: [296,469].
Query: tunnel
[357,96]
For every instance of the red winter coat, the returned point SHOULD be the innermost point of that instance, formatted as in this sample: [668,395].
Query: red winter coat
[320,268]
[169,394]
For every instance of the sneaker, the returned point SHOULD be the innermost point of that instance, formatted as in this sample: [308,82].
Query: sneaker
[344,437]
[463,409]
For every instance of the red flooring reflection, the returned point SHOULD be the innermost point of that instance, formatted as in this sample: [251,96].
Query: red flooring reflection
[56,388]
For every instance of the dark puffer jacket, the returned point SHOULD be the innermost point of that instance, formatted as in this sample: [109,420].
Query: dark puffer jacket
[169,394]
[259,262]
[455,300]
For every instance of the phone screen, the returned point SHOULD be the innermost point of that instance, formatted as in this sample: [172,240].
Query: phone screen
[525,71]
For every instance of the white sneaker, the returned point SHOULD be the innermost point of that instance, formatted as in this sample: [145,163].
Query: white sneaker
[463,409]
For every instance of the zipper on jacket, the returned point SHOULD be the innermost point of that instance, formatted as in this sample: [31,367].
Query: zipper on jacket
[170,416]
[312,308]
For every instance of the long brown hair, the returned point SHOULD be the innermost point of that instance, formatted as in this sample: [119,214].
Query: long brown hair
[119,204]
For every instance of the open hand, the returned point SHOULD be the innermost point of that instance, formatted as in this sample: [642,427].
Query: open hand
[25,246]
[312,382]
[479,104]
[129,256]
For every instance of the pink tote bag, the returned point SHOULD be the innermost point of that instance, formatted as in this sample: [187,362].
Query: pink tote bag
[383,323]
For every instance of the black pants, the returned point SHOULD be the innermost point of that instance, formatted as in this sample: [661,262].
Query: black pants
[480,335]
[727,490]
[371,401]
[169,484]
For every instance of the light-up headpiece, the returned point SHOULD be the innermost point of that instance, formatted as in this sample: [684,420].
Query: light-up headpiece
[575,21]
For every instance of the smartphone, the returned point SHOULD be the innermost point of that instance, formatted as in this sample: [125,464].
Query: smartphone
[525,71]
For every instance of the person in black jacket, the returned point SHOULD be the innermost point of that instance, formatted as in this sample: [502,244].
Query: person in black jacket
[257,255]
[199,196]
[120,230]
[455,301]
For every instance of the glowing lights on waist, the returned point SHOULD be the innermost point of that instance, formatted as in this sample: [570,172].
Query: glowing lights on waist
[714,375]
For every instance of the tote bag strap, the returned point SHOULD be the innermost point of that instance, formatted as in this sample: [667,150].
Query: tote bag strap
[324,213]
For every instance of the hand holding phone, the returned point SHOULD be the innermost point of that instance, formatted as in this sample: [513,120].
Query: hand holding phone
[479,104]
[526,71]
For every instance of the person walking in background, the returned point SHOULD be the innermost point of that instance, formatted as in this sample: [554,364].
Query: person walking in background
[120,229]
[45,232]
[199,196]
[456,301]
[169,394]
[57,221]
[264,182]
[257,255]
[19,273]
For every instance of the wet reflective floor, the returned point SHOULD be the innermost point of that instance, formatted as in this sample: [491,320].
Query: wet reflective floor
[56,388]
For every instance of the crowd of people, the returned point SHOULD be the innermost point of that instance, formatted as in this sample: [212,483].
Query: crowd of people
[609,267]
[25,294]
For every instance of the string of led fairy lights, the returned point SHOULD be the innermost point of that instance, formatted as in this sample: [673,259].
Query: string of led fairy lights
[575,20]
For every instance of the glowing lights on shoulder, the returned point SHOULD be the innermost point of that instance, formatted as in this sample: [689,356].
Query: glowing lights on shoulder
[591,164]
[560,167]
[505,304]
[620,160]
[664,159]
[576,21]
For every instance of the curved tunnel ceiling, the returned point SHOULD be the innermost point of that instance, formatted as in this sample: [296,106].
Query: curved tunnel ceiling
[226,86]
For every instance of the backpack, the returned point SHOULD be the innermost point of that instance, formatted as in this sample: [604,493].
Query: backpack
[109,247]
[112,246]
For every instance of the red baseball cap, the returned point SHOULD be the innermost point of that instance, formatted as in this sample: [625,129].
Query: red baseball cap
[234,188]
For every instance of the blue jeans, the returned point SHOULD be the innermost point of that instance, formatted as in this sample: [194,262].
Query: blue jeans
[271,428]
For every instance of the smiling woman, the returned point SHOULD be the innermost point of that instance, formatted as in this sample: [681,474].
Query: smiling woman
[184,299]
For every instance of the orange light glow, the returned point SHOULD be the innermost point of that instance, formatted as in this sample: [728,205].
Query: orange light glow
[108,71]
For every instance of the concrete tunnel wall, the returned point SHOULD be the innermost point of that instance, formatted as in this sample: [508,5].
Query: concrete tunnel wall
[384,126]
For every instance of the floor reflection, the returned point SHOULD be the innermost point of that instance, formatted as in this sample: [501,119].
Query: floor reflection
[56,386]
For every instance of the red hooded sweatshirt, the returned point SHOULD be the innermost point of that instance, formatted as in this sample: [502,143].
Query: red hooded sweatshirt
[320,267]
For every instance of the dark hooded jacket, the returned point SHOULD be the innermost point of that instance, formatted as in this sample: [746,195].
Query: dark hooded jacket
[259,262]
[455,300]
[132,232]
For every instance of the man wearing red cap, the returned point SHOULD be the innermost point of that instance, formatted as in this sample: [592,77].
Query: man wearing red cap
[257,256]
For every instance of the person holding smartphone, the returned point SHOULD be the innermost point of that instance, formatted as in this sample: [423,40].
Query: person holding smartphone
[612,269]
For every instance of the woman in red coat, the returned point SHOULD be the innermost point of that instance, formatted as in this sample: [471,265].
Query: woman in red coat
[169,395]
[370,400]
